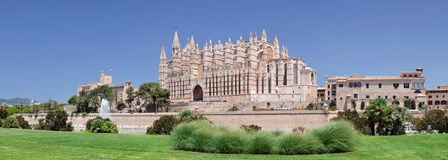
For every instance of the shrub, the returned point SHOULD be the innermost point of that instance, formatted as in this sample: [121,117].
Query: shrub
[419,125]
[299,129]
[436,118]
[203,136]
[300,144]
[202,139]
[109,127]
[360,123]
[261,143]
[229,141]
[188,116]
[1,122]
[3,113]
[310,106]
[251,128]
[11,122]
[163,125]
[23,123]
[12,110]
[234,108]
[337,136]
[182,133]
[121,105]
[56,121]
[100,125]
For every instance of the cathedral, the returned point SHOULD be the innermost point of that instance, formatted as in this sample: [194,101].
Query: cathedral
[253,70]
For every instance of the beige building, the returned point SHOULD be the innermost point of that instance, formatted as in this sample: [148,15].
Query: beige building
[437,98]
[321,93]
[252,70]
[119,89]
[350,91]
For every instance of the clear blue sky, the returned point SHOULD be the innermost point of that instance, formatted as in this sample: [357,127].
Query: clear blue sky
[47,48]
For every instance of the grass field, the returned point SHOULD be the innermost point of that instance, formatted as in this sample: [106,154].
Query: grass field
[28,144]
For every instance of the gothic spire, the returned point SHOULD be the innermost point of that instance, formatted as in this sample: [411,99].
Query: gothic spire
[192,44]
[162,53]
[176,38]
[264,37]
[276,44]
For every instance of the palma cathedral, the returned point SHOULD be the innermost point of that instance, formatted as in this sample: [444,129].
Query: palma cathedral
[253,70]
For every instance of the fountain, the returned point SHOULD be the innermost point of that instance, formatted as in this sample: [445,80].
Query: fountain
[105,109]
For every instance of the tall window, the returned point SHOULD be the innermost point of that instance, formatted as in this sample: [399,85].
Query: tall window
[257,83]
[269,85]
[239,83]
[380,85]
[236,86]
[367,85]
[285,76]
[231,84]
[295,74]
[276,74]
[262,83]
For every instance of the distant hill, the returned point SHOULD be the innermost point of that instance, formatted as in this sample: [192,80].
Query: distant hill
[14,101]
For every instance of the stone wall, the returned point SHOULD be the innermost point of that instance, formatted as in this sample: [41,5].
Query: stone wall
[268,120]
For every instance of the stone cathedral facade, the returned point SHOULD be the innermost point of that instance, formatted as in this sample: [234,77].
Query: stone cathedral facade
[253,70]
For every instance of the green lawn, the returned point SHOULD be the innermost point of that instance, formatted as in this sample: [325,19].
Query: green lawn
[28,144]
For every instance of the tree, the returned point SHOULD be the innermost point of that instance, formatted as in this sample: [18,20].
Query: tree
[437,119]
[152,93]
[131,96]
[333,105]
[310,106]
[353,104]
[385,119]
[3,113]
[121,105]
[56,121]
[363,105]
[409,103]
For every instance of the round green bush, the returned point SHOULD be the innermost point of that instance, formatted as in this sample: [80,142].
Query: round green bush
[99,125]
[229,141]
[11,122]
[109,127]
[261,143]
[299,144]
[337,136]
[1,122]
[201,139]
[182,134]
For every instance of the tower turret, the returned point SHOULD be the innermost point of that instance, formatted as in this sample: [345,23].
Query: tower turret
[163,68]
[176,56]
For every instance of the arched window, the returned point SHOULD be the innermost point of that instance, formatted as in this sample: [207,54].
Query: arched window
[437,103]
[443,102]
[405,75]
[415,75]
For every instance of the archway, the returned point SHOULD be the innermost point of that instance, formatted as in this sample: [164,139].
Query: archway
[198,94]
